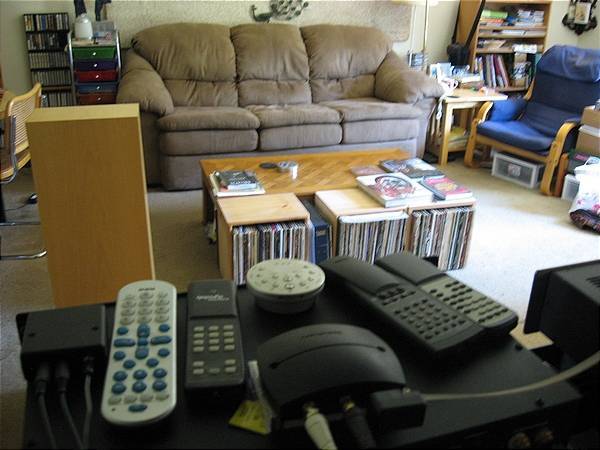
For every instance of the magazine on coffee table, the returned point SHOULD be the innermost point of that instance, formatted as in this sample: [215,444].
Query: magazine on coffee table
[219,191]
[394,189]
[412,168]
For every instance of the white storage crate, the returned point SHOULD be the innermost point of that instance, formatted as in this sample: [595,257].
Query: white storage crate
[520,171]
[570,188]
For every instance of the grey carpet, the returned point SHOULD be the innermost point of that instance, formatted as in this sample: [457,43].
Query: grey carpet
[516,232]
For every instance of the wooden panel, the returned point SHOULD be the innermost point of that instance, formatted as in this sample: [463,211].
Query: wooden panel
[349,202]
[89,175]
[261,209]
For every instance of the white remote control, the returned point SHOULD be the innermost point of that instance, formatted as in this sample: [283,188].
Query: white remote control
[140,384]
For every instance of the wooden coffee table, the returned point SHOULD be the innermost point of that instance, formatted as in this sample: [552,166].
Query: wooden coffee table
[316,172]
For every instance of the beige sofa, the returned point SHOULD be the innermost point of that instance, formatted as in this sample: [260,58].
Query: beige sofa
[210,90]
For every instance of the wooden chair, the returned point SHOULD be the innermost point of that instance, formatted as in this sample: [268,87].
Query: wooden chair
[14,153]
[541,125]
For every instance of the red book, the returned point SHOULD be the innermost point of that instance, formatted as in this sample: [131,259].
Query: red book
[445,188]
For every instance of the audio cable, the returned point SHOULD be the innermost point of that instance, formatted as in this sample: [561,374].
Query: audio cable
[317,427]
[62,376]
[42,377]
[356,421]
[88,371]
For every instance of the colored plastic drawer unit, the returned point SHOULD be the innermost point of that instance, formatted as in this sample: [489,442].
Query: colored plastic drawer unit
[83,66]
[94,52]
[101,98]
[96,76]
[96,87]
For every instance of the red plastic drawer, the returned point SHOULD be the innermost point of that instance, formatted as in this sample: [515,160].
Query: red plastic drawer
[96,76]
[96,99]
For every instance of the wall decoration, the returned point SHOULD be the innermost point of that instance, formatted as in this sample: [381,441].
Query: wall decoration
[580,16]
[280,10]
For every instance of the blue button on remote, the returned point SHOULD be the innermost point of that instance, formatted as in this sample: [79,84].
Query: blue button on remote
[122,330]
[143,330]
[118,388]
[164,327]
[158,340]
[138,407]
[142,341]
[140,374]
[124,342]
[152,362]
[141,352]
[139,386]
[119,355]
[120,375]
[129,364]
[164,352]
[158,385]
[160,373]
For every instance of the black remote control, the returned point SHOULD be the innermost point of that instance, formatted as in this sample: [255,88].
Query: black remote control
[424,319]
[495,318]
[215,358]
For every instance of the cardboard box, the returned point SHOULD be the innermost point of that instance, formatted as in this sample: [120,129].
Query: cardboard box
[588,143]
[591,117]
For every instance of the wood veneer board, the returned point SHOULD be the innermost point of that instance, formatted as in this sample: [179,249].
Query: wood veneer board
[267,208]
[89,175]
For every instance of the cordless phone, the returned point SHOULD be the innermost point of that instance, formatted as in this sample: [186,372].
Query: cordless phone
[215,358]
[493,317]
[407,309]
[139,387]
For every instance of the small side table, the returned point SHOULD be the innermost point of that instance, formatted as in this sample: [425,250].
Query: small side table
[460,99]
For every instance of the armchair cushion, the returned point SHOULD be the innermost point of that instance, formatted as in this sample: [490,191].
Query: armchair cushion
[142,84]
[506,110]
[517,134]
[395,81]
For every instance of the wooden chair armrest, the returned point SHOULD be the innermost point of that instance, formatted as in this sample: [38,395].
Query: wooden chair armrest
[563,132]
[483,112]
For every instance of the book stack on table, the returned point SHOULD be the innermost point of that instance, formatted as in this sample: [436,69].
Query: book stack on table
[233,183]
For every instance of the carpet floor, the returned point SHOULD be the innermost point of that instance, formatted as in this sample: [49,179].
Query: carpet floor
[516,232]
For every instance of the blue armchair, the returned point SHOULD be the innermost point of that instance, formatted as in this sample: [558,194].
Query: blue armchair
[542,125]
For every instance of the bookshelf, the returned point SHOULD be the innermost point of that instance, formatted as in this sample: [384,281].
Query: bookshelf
[334,204]
[46,37]
[510,34]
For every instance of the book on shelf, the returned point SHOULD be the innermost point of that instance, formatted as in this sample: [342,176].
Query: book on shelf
[394,189]
[320,235]
[220,191]
[445,188]
[237,179]
[366,170]
[412,168]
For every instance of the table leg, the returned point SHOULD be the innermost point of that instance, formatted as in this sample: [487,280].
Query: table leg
[446,128]
[208,207]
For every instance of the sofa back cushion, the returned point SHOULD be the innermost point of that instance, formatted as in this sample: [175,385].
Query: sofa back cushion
[272,64]
[343,60]
[196,61]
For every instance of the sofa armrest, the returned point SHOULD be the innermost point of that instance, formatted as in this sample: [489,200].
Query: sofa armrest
[141,84]
[506,110]
[396,82]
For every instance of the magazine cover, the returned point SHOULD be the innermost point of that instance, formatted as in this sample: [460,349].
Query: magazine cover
[360,171]
[446,188]
[393,189]
[413,167]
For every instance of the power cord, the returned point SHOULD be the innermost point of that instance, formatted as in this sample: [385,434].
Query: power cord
[356,421]
[317,427]
[42,377]
[62,376]
[88,371]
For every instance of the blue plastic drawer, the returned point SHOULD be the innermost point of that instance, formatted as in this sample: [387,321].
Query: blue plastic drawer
[89,88]
[95,65]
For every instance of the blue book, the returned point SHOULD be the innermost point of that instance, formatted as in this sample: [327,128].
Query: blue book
[321,245]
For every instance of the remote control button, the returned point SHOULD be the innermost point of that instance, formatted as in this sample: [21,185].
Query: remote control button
[164,352]
[213,328]
[162,301]
[199,329]
[114,400]
[144,319]
[229,341]
[119,355]
[124,342]
[146,398]
[140,374]
[198,364]
[230,362]
[162,294]
[159,385]
[199,349]
[164,327]
[142,342]
[162,396]
[213,348]
[229,348]
[214,334]
[139,407]
[118,388]
[122,330]
[139,386]
[198,371]
[199,342]
[120,375]
[130,399]
[152,362]
[227,327]
[162,318]
[199,335]
[214,371]
[160,373]
[145,311]
[159,340]
[162,309]
[231,369]
[128,311]
[213,341]
[129,364]
[228,333]
[143,331]
[126,320]
[146,302]
[130,296]
[141,353]
[146,295]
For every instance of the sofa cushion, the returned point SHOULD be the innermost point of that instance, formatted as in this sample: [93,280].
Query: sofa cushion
[380,130]
[200,142]
[284,115]
[517,134]
[299,136]
[203,93]
[273,54]
[372,109]
[341,55]
[186,118]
